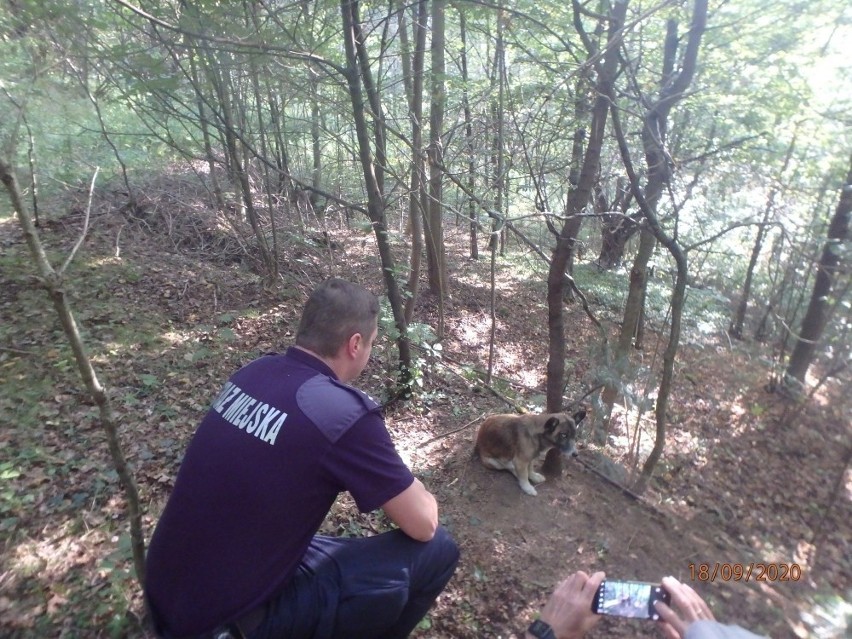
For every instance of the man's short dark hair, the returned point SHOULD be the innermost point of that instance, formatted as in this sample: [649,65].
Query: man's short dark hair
[335,311]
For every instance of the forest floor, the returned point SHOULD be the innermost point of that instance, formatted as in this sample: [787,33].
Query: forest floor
[168,312]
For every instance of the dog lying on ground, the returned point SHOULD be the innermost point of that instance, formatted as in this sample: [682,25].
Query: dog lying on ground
[513,442]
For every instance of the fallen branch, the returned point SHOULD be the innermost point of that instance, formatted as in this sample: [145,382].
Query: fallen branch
[17,351]
[451,432]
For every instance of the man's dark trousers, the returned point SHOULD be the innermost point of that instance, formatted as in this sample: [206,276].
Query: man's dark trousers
[363,588]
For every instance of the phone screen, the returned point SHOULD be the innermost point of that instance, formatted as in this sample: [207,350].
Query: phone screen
[629,599]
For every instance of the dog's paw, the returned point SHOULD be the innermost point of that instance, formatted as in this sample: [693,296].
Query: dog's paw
[536,478]
[529,490]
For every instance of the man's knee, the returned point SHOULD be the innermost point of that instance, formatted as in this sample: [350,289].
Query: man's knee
[446,546]
[439,559]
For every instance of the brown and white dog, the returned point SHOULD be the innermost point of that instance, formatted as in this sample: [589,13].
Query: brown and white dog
[513,442]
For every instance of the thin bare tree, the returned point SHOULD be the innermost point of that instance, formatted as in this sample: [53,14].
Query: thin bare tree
[54,283]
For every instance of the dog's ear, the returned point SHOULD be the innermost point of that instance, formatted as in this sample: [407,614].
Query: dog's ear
[551,424]
[579,416]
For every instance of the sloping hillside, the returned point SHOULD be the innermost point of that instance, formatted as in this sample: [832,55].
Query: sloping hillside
[169,309]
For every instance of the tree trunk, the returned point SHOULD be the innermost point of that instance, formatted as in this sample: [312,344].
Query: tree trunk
[616,231]
[468,136]
[205,130]
[237,161]
[829,265]
[655,124]
[53,282]
[372,91]
[658,162]
[284,183]
[577,201]
[654,130]
[268,190]
[781,279]
[435,250]
[316,151]
[736,328]
[616,226]
[575,222]
[412,70]
[498,143]
[375,201]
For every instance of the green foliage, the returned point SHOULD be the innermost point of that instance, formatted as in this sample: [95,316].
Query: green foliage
[50,53]
[426,347]
[602,288]
[427,356]
[706,311]
[120,582]
[388,331]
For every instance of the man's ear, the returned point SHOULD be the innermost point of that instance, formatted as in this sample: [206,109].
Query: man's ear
[354,344]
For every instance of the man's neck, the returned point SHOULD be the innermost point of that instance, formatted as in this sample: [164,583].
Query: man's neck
[332,363]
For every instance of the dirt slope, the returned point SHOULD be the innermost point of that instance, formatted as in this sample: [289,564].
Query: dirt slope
[746,477]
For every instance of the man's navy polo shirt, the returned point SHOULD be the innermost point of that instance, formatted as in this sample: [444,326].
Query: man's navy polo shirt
[278,444]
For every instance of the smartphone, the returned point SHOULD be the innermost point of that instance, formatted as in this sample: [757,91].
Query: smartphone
[629,599]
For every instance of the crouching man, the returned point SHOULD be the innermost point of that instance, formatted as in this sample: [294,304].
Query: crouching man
[236,554]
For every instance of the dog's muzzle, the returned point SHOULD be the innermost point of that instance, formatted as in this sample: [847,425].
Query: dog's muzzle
[569,449]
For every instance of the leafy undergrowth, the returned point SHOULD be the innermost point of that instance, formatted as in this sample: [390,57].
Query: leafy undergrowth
[168,311]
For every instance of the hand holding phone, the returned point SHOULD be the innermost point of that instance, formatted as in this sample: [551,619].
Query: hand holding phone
[568,610]
[633,599]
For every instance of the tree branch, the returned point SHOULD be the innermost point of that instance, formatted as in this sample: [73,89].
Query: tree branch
[80,239]
[237,45]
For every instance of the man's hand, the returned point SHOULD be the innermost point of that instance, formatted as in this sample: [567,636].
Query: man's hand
[690,607]
[569,609]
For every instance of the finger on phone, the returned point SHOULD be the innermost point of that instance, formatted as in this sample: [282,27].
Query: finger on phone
[594,582]
[689,604]
[671,618]
[668,631]
[682,595]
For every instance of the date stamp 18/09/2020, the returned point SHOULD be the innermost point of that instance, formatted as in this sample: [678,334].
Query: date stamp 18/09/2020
[771,571]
